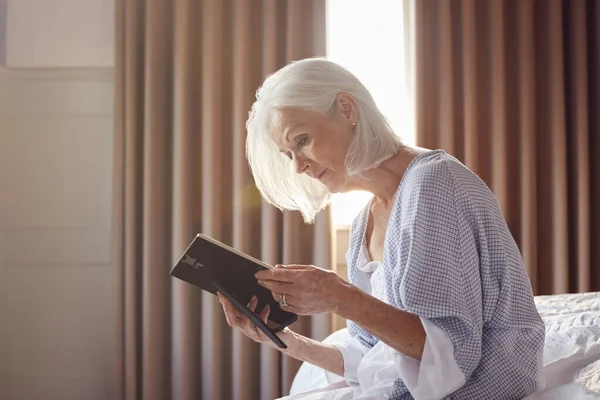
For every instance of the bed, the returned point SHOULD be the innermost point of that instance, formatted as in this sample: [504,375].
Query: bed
[571,355]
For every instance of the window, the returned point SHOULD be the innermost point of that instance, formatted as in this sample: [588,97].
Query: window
[367,38]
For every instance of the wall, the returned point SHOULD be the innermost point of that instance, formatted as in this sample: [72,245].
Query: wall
[56,133]
[59,33]
[56,281]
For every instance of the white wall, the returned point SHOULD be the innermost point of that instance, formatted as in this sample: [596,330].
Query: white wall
[2,32]
[56,135]
[56,280]
[60,33]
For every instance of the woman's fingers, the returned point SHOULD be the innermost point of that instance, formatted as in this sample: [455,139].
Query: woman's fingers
[264,313]
[276,296]
[252,303]
[247,326]
[239,321]
[289,299]
[279,273]
[280,287]
[231,314]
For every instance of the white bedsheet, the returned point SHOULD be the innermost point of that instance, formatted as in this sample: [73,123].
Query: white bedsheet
[572,348]
[571,355]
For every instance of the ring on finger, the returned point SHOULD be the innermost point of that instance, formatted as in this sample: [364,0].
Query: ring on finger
[282,301]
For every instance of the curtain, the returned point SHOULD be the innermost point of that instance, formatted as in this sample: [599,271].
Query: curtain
[512,89]
[186,75]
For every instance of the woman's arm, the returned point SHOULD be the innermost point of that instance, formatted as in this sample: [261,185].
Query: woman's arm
[312,290]
[322,355]
[396,328]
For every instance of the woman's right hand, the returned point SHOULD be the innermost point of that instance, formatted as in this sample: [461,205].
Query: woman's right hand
[300,347]
[239,321]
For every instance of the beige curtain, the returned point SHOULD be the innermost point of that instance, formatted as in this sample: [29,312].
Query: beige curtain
[512,88]
[186,74]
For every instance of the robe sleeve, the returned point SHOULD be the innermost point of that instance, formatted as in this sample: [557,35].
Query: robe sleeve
[437,374]
[433,279]
[352,352]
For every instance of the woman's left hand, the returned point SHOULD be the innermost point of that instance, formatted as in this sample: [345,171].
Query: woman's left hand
[308,289]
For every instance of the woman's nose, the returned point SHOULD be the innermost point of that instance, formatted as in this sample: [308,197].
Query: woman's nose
[301,164]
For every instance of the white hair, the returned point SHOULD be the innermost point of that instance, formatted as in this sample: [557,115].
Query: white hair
[312,84]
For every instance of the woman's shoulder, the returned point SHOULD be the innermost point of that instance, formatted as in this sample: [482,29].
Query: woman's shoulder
[429,164]
[429,171]
[436,171]
[440,184]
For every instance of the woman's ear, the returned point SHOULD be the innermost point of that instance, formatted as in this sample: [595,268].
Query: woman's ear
[347,106]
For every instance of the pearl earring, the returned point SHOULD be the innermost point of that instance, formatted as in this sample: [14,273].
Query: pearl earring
[354,124]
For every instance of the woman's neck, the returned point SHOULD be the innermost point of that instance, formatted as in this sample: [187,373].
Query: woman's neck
[384,180]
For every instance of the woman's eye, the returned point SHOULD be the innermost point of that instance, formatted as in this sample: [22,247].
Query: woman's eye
[301,141]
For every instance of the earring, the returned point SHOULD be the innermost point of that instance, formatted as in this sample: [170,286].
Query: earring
[354,124]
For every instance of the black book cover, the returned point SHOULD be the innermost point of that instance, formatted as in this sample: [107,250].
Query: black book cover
[214,266]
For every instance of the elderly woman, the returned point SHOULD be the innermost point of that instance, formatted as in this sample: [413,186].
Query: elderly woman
[438,303]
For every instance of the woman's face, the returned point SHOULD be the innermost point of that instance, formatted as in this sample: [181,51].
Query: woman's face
[316,144]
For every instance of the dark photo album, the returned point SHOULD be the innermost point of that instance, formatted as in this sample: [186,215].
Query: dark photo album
[216,267]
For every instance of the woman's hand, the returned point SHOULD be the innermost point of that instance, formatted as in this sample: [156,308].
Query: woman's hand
[308,289]
[239,321]
[300,347]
